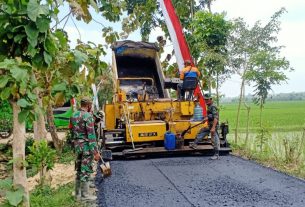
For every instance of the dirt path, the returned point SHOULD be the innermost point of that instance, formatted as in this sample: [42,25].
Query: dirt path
[198,181]
[60,175]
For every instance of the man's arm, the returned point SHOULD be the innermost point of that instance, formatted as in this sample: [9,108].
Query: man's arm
[215,121]
[91,134]
[198,72]
[214,111]
[182,74]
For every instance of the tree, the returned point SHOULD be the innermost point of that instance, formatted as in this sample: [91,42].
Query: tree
[269,70]
[253,51]
[15,82]
[210,33]
[207,3]
[24,45]
[29,48]
[56,84]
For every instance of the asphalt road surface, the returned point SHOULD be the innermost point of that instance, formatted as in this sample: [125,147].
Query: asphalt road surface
[197,181]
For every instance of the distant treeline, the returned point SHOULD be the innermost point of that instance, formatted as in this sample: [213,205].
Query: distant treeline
[274,97]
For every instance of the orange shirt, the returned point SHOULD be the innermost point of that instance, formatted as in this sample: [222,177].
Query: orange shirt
[189,69]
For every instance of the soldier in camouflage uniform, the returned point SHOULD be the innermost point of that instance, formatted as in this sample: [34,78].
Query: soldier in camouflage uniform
[85,146]
[212,119]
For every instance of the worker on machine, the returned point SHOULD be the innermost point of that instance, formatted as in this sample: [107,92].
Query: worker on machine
[187,71]
[86,149]
[212,118]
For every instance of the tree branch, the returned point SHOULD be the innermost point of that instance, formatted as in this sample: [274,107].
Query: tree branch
[80,37]
[66,22]
[99,22]
[61,20]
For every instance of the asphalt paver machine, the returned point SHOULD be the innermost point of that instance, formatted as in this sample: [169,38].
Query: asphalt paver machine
[142,111]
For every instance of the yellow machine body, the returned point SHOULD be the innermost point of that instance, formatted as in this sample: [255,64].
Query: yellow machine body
[146,115]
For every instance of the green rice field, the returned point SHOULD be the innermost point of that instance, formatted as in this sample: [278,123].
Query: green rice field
[278,116]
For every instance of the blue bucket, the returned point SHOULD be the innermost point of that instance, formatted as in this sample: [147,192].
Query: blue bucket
[169,141]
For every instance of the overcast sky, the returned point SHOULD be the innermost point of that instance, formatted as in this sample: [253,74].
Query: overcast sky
[291,36]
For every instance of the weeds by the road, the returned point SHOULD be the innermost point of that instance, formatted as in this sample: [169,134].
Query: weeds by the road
[47,197]
[284,152]
[67,155]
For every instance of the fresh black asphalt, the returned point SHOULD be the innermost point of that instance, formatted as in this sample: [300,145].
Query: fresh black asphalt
[197,181]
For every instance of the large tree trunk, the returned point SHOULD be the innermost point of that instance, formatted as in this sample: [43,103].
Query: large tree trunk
[238,109]
[39,125]
[19,153]
[57,142]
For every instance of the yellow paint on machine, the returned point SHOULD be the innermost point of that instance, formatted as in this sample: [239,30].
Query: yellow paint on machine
[110,116]
[146,131]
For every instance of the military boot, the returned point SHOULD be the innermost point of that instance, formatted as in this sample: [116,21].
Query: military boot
[193,145]
[91,182]
[77,189]
[85,195]
[216,154]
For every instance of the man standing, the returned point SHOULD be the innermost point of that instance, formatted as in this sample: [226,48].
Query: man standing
[85,148]
[212,118]
[187,71]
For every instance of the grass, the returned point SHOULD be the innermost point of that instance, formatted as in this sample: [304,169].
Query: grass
[284,143]
[283,151]
[67,155]
[48,197]
[279,116]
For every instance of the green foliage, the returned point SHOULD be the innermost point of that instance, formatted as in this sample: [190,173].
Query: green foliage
[29,25]
[284,151]
[6,116]
[26,42]
[98,71]
[19,86]
[41,157]
[254,55]
[110,35]
[47,197]
[141,16]
[67,155]
[210,34]
[29,142]
[211,31]
[262,137]
[281,115]
[13,196]
[294,148]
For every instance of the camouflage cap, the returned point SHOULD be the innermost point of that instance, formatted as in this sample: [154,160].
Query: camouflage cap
[207,96]
[86,100]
